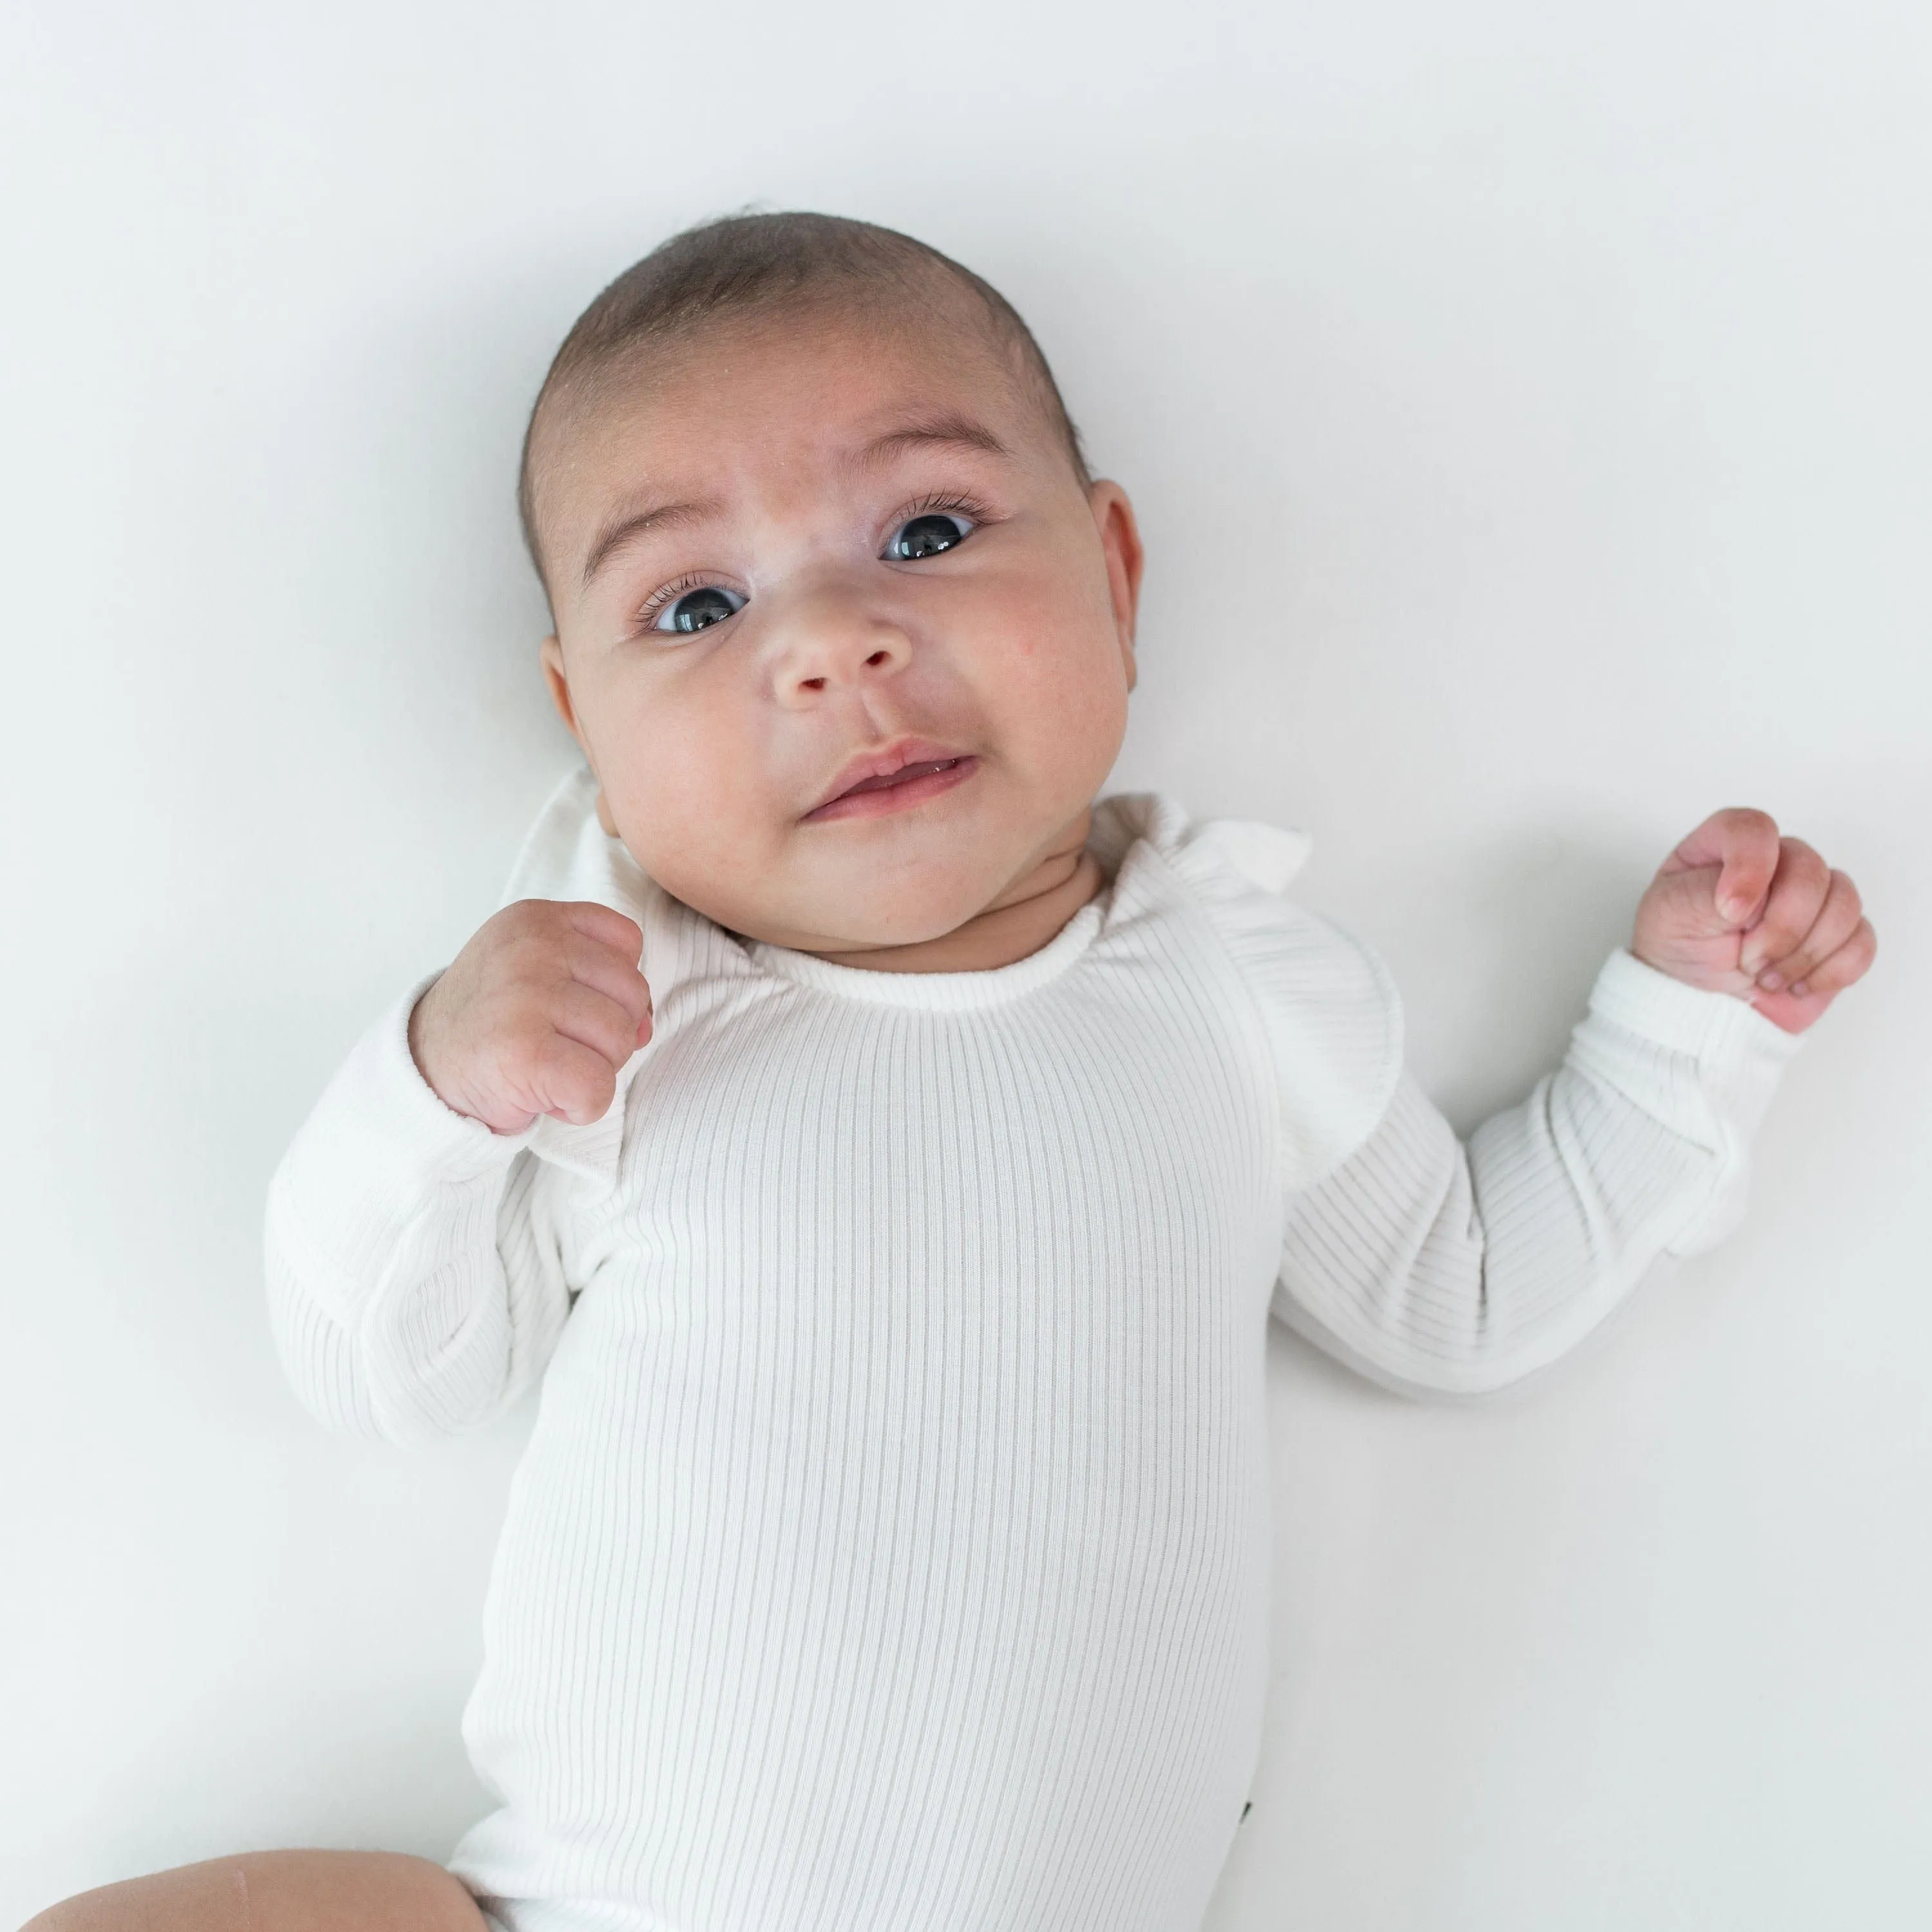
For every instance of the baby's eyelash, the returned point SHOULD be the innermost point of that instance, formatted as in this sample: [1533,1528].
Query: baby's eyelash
[653,605]
[968,507]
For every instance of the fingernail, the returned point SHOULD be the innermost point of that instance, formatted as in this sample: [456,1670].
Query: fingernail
[1771,980]
[1803,987]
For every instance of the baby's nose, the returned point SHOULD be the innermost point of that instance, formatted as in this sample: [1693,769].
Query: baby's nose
[831,635]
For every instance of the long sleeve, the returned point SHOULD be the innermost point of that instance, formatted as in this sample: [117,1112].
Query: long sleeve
[415,1276]
[1434,1267]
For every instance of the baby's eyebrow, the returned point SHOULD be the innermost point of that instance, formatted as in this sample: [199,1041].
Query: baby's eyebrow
[627,526]
[959,431]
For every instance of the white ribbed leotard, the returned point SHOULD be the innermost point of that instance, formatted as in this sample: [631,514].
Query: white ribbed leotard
[890,1553]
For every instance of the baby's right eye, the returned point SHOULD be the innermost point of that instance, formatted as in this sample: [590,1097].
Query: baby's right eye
[710,604]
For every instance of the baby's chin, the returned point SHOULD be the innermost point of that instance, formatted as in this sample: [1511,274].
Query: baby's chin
[931,902]
[844,901]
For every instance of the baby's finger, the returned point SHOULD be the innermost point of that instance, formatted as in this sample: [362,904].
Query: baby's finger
[582,1014]
[1850,963]
[1797,892]
[606,926]
[572,1082]
[1742,843]
[1838,920]
[611,973]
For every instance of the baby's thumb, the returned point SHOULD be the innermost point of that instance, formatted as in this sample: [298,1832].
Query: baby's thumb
[1741,885]
[1683,906]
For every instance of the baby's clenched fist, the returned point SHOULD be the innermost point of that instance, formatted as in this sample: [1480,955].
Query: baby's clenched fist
[1740,908]
[537,1014]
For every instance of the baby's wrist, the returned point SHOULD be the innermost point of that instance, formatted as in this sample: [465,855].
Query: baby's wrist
[417,1028]
[1685,972]
[441,1071]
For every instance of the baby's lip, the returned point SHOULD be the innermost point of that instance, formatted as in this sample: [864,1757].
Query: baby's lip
[883,761]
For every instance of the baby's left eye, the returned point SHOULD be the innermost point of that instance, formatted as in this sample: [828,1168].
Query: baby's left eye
[927,534]
[708,604]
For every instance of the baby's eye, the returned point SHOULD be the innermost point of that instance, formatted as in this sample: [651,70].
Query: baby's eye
[696,608]
[928,534]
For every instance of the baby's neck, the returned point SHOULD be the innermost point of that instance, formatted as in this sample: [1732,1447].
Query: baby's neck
[1020,921]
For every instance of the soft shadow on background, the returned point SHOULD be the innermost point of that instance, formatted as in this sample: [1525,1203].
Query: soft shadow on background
[1527,412]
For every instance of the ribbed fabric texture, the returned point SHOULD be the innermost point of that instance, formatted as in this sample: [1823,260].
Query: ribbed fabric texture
[890,1553]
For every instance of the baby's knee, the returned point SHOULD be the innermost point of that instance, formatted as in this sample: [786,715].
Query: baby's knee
[277,1892]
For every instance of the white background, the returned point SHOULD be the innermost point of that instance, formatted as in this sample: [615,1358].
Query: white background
[1528,409]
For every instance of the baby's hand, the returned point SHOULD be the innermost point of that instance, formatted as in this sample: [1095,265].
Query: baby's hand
[537,1014]
[1736,909]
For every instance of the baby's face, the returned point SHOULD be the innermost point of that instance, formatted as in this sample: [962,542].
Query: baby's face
[795,543]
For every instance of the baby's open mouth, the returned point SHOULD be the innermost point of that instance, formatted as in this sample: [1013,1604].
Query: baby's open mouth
[901,776]
[911,784]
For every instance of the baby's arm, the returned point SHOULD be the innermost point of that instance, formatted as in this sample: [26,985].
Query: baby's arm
[1433,1267]
[1430,1267]
[416,1261]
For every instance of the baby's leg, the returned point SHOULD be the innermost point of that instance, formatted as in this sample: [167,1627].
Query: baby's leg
[277,1892]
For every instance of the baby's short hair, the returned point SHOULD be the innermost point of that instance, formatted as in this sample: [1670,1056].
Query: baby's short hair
[762,264]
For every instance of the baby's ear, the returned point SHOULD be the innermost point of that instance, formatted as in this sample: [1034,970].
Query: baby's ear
[549,653]
[1120,544]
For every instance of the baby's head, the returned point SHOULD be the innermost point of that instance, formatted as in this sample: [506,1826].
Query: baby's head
[801,490]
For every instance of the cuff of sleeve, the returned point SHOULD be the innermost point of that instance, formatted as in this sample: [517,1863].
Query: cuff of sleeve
[378,1151]
[380,1136]
[1716,1028]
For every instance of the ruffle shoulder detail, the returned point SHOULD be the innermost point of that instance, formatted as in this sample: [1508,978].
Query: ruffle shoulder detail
[1328,1003]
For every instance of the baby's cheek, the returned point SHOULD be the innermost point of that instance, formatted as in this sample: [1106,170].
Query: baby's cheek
[727,875]
[1068,686]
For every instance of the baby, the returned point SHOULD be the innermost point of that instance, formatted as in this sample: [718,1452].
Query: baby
[888,1152]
